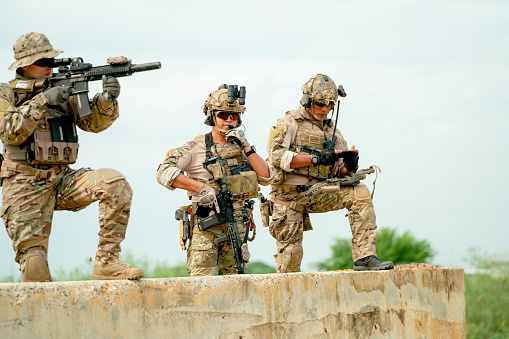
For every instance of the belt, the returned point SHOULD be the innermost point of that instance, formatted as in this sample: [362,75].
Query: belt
[38,171]
[290,188]
[292,204]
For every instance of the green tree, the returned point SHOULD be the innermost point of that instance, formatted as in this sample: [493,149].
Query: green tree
[400,249]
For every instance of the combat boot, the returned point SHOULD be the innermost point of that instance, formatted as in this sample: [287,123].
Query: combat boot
[109,267]
[34,267]
[372,263]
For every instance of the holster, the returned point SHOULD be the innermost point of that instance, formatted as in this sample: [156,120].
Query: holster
[266,208]
[186,225]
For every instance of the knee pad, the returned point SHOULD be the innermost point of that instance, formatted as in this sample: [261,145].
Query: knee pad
[110,175]
[115,183]
[34,268]
[361,192]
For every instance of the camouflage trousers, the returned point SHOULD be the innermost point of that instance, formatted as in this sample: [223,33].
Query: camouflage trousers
[204,254]
[28,205]
[288,225]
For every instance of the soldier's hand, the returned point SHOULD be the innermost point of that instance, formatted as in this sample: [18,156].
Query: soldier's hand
[57,95]
[351,159]
[326,157]
[207,197]
[111,88]
[238,136]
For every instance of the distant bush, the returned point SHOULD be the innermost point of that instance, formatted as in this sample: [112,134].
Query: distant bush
[487,298]
[400,249]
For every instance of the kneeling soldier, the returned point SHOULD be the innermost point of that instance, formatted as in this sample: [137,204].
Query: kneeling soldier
[38,131]
[306,151]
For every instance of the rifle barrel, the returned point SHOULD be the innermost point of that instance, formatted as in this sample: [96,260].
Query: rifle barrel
[146,67]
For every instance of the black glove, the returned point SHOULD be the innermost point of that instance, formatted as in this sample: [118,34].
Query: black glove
[111,88]
[57,95]
[325,157]
[351,160]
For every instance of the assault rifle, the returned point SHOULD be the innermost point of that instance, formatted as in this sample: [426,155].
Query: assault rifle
[225,202]
[332,185]
[75,74]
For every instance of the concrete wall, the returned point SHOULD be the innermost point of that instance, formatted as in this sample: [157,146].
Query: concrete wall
[421,303]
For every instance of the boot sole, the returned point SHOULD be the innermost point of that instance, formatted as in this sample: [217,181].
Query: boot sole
[109,277]
[379,268]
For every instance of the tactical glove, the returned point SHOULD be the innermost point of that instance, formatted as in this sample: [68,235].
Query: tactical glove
[111,88]
[351,160]
[238,136]
[57,95]
[325,157]
[207,197]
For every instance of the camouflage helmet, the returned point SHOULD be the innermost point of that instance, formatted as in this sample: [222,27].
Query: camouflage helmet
[218,101]
[319,88]
[31,47]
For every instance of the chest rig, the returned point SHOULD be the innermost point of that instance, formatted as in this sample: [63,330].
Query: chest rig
[308,141]
[241,180]
[55,139]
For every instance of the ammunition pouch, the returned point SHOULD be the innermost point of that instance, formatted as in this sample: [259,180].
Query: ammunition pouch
[211,221]
[57,144]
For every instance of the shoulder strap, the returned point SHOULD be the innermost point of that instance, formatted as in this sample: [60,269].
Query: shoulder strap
[208,145]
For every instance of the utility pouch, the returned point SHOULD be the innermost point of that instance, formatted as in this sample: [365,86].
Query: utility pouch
[244,185]
[211,221]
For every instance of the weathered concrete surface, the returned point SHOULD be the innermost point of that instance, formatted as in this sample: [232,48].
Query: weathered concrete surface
[418,303]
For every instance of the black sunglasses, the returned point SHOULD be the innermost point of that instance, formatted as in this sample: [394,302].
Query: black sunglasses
[45,62]
[319,104]
[225,115]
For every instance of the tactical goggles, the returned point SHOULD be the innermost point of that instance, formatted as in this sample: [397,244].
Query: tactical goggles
[228,115]
[45,62]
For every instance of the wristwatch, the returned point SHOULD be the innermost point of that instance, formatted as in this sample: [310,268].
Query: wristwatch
[253,150]
[315,159]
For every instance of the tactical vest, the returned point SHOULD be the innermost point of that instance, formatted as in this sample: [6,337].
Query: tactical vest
[308,141]
[55,139]
[241,180]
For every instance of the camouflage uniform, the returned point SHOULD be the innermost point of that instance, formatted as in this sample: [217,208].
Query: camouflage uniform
[204,255]
[291,209]
[33,190]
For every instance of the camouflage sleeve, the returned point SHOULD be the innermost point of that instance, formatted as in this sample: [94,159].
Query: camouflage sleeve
[280,140]
[105,114]
[18,123]
[170,168]
[267,181]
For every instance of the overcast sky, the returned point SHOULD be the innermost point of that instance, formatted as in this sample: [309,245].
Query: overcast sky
[427,84]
